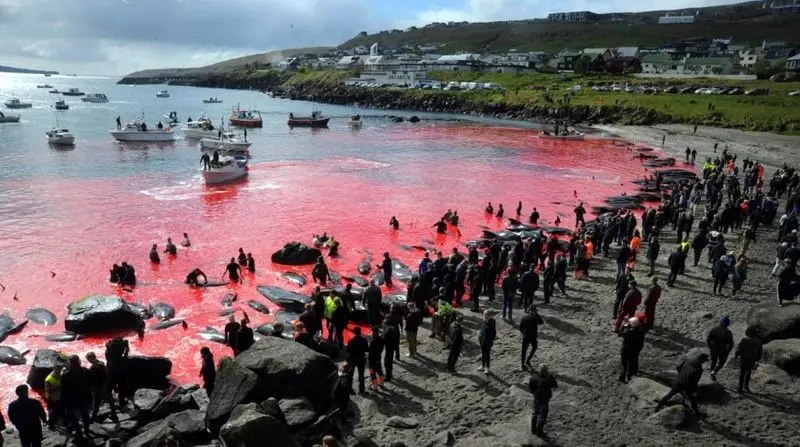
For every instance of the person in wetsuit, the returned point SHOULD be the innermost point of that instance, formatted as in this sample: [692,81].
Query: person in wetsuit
[193,277]
[244,337]
[154,258]
[215,159]
[534,217]
[129,276]
[334,248]
[519,208]
[207,370]
[171,249]
[242,257]
[186,242]
[394,223]
[454,219]
[489,208]
[251,263]
[320,272]
[206,160]
[579,213]
[231,332]
[232,270]
[160,126]
[500,211]
[386,266]
[441,226]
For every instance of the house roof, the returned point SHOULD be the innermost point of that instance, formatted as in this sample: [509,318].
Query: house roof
[627,51]
[349,60]
[796,57]
[456,58]
[708,61]
[372,60]
[594,50]
[657,58]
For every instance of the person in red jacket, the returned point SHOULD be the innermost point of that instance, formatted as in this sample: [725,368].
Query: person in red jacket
[632,300]
[650,301]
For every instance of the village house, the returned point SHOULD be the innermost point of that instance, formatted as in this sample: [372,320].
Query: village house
[663,64]
[574,16]
[350,62]
[565,61]
[748,58]
[793,63]
[290,63]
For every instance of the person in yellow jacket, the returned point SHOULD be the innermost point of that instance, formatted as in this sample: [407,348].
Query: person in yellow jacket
[52,395]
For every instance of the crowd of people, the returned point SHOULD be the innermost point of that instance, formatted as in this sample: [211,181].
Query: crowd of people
[720,213]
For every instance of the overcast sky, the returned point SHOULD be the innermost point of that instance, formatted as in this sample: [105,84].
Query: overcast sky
[120,36]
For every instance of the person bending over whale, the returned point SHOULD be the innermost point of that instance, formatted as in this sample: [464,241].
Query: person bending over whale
[242,257]
[186,242]
[334,248]
[394,223]
[171,249]
[114,274]
[154,258]
[454,219]
[490,208]
[448,214]
[128,278]
[441,226]
[193,278]
[232,270]
[320,272]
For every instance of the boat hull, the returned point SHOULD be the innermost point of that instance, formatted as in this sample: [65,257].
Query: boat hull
[19,106]
[219,176]
[562,137]
[62,141]
[73,93]
[199,134]
[206,101]
[94,100]
[238,122]
[66,107]
[295,122]
[212,144]
[9,119]
[150,135]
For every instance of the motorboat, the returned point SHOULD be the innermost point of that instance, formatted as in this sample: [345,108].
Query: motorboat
[61,137]
[73,92]
[172,118]
[55,90]
[162,94]
[315,120]
[227,170]
[61,105]
[138,131]
[95,97]
[9,118]
[245,118]
[202,128]
[568,135]
[212,101]
[15,103]
[355,122]
[226,144]
[44,86]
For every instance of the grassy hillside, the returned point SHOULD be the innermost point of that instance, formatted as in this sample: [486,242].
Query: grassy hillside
[745,22]
[228,65]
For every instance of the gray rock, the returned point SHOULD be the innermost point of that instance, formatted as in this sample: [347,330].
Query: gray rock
[299,413]
[190,425]
[43,363]
[767,374]
[200,398]
[157,435]
[251,428]
[772,322]
[147,399]
[100,313]
[442,439]
[178,400]
[785,354]
[273,408]
[649,392]
[244,408]
[235,384]
[676,416]
[288,369]
[401,422]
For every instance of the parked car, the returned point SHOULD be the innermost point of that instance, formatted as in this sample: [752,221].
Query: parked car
[757,92]
[795,93]
[736,91]
[688,90]
[671,89]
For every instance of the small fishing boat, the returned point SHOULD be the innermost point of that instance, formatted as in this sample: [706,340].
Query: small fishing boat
[571,135]
[172,118]
[162,94]
[226,144]
[95,97]
[138,131]
[355,122]
[227,170]
[315,120]
[61,105]
[44,86]
[73,92]
[15,103]
[55,90]
[245,118]
[61,137]
[9,118]
[202,128]
[212,101]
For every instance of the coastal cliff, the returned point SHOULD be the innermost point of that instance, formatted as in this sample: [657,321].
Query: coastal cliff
[536,97]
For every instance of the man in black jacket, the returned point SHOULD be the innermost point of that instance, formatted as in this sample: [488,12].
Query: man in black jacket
[27,415]
[456,343]
[749,353]
[528,285]
[622,258]
[510,285]
[372,299]
[652,255]
[632,334]
[340,394]
[675,262]
[720,344]
[529,327]
[244,338]
[542,386]
[357,349]
[413,322]
[76,390]
[391,339]
[689,373]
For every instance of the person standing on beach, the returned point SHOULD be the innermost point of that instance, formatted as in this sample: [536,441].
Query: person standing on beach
[749,353]
[27,415]
[486,338]
[456,344]
[357,349]
[675,262]
[663,139]
[632,333]
[652,255]
[529,327]
[650,302]
[720,344]
[694,156]
[579,212]
[413,320]
[688,153]
[542,386]
[207,370]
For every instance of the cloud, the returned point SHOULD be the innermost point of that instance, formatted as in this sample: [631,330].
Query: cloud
[137,34]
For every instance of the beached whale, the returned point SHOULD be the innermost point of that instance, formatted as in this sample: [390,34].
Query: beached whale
[162,311]
[259,307]
[296,253]
[296,278]
[167,324]
[63,337]
[364,267]
[226,311]
[143,311]
[285,298]
[287,318]
[228,298]
[212,334]
[401,271]
[11,356]
[8,326]
[356,279]
[212,283]
[41,316]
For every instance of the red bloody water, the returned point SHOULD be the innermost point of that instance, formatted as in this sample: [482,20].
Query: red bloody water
[78,227]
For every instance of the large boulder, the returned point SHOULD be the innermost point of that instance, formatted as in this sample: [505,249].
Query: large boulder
[148,372]
[235,384]
[649,392]
[299,413]
[155,435]
[101,313]
[252,428]
[43,363]
[288,369]
[295,253]
[146,399]
[180,399]
[190,425]
[272,407]
[772,322]
[767,374]
[676,416]
[785,354]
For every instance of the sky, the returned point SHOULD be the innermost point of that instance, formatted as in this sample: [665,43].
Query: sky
[115,37]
